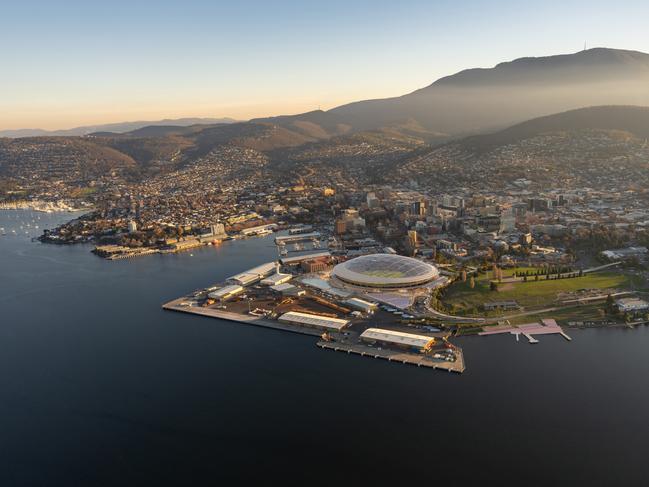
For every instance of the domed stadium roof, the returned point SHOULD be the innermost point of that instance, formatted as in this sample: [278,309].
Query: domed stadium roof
[385,270]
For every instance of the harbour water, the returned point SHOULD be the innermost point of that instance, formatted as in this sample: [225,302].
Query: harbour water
[100,386]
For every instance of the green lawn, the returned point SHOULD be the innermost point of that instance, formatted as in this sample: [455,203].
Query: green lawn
[573,313]
[531,294]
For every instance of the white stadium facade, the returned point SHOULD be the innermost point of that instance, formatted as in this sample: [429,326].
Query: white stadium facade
[385,271]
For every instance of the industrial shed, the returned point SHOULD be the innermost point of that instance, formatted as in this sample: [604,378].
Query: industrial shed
[225,293]
[398,339]
[251,276]
[320,322]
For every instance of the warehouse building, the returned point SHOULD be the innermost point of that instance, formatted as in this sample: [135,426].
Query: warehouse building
[251,276]
[398,339]
[225,293]
[287,289]
[361,305]
[261,229]
[296,238]
[300,258]
[275,279]
[319,322]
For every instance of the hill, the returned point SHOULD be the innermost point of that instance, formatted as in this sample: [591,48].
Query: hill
[61,158]
[629,119]
[597,147]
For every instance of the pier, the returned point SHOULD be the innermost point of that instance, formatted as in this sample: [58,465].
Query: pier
[545,327]
[236,317]
[418,360]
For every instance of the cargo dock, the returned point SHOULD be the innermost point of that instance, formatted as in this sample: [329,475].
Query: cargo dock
[340,342]
[175,305]
[397,356]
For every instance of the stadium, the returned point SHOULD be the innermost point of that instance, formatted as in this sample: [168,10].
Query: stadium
[385,271]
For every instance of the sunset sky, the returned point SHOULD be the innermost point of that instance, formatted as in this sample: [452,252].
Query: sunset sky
[74,63]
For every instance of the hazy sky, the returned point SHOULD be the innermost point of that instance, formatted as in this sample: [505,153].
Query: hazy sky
[68,63]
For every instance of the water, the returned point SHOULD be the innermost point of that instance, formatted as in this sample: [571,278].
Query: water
[99,386]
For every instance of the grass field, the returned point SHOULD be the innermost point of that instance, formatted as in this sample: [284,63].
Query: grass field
[572,313]
[532,294]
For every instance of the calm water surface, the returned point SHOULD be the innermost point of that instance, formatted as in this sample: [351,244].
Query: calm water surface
[99,386]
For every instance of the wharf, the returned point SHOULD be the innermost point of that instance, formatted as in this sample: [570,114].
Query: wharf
[236,317]
[396,356]
[342,346]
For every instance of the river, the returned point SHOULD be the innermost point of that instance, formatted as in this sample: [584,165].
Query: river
[99,386]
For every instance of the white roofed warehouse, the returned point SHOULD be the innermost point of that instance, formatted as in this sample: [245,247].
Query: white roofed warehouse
[385,271]
[319,322]
[398,339]
[225,293]
[254,275]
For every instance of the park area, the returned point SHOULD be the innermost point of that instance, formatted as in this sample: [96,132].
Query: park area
[462,298]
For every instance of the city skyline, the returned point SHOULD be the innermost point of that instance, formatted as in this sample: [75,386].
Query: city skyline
[103,64]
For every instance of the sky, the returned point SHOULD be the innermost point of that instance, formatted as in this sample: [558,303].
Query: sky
[71,63]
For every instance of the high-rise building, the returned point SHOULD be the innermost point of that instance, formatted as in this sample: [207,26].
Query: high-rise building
[507,221]
[341,226]
[372,200]
[412,238]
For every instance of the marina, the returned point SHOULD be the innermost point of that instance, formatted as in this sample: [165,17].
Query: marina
[545,327]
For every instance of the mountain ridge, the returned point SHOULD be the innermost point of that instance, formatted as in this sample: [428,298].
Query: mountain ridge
[116,127]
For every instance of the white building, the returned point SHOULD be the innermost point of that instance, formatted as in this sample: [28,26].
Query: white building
[275,279]
[225,293]
[632,305]
[251,276]
[361,305]
[421,343]
[313,321]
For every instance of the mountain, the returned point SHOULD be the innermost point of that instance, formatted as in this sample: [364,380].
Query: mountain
[470,102]
[119,127]
[391,137]
[479,100]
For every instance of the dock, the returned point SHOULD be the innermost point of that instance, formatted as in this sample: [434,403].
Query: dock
[236,317]
[530,338]
[341,346]
[545,327]
[396,356]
